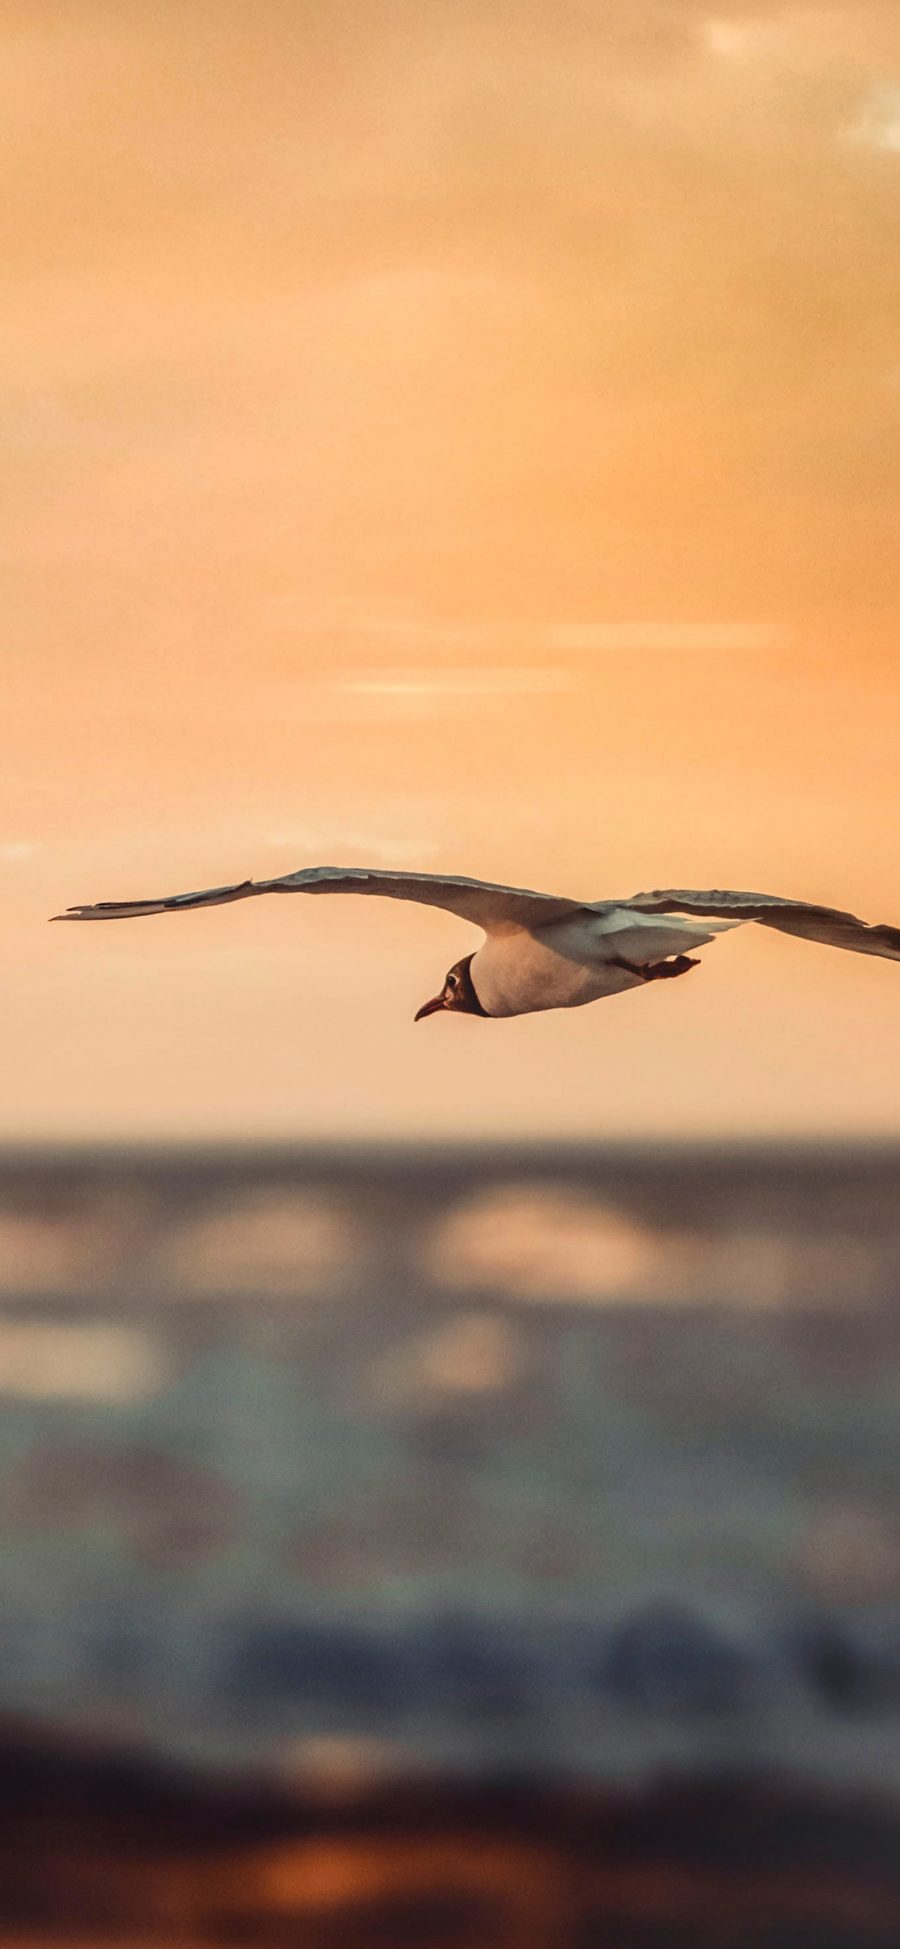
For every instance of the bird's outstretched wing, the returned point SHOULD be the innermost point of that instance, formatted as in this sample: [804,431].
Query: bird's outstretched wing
[811,922]
[495,908]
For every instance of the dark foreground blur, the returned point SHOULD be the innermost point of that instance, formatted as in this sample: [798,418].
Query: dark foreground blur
[466,1548]
[102,1850]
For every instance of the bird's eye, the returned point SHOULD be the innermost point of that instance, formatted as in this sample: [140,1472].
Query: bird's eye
[452,981]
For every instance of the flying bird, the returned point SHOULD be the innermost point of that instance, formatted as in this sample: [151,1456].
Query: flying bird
[542,950]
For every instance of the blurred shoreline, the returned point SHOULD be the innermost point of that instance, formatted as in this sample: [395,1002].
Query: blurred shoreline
[767,1150]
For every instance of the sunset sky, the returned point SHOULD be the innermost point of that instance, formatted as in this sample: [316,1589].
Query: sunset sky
[459,434]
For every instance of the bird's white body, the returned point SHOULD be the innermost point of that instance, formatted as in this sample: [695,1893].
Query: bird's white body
[578,960]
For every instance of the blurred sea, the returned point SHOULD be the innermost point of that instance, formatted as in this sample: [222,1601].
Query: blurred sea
[569,1461]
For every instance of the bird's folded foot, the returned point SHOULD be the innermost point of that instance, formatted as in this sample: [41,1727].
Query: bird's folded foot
[663,970]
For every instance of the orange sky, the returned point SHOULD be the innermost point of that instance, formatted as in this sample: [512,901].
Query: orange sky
[452,435]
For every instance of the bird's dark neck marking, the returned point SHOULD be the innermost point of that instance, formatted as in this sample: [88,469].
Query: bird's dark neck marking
[472,1001]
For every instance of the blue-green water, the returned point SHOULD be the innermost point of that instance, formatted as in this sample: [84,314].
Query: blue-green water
[562,1459]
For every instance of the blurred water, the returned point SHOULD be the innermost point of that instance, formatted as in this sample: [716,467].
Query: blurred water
[569,1459]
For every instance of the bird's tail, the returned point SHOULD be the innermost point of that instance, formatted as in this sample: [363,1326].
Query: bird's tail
[651,937]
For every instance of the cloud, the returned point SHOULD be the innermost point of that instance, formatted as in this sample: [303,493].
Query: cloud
[14,852]
[457,685]
[795,36]
[735,40]
[667,636]
[387,849]
[462,636]
[340,619]
[878,123]
[804,38]
[413,692]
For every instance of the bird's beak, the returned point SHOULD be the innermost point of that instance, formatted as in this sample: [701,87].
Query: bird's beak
[429,1008]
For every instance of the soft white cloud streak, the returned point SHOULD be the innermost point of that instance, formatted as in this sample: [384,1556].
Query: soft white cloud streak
[878,123]
[441,636]
[734,40]
[376,696]
[666,636]
[385,848]
[457,684]
[14,852]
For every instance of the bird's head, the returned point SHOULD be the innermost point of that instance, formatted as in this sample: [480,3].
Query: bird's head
[458,993]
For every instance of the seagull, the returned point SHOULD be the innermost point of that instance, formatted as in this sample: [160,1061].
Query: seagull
[542,950]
